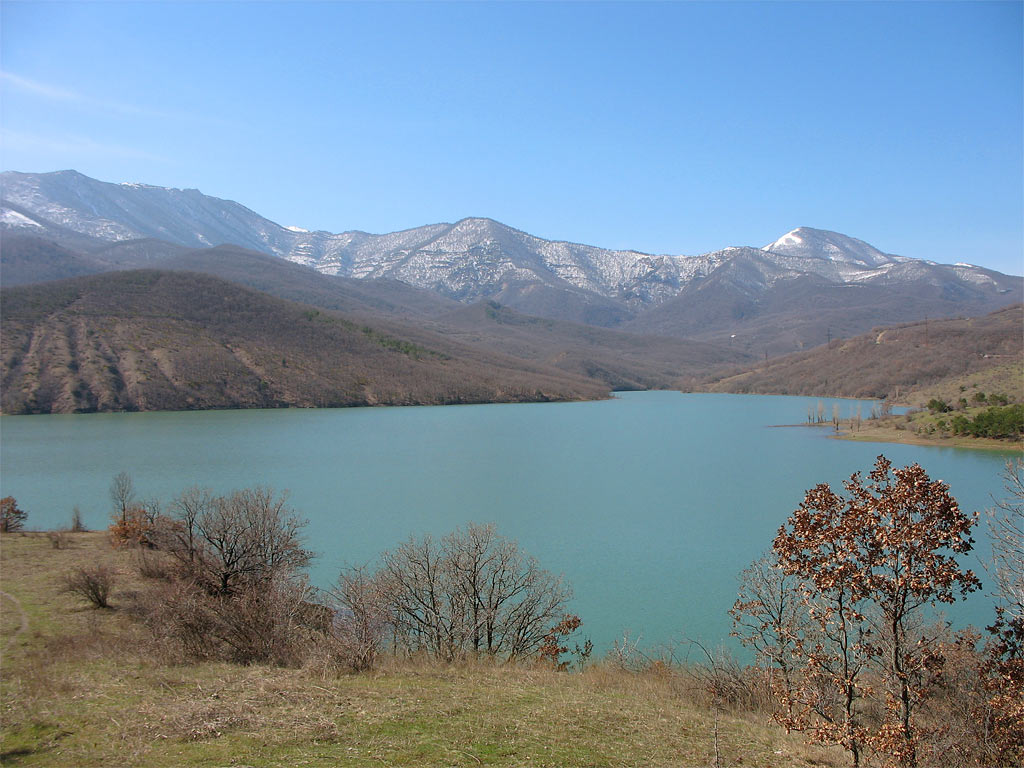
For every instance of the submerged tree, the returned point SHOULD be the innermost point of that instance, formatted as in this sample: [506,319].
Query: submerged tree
[873,560]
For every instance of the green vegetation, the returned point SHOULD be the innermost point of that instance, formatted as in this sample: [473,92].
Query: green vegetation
[1001,422]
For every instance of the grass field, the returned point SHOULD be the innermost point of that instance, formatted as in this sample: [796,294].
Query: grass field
[81,687]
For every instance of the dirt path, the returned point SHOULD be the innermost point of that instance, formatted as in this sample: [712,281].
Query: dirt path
[21,613]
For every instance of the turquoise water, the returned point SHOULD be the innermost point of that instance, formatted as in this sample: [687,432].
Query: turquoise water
[650,504]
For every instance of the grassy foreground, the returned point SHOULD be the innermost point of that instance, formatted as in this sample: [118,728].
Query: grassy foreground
[81,688]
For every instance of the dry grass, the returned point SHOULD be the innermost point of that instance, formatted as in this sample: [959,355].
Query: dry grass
[80,688]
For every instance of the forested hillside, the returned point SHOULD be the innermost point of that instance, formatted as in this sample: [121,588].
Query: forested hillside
[888,361]
[154,340]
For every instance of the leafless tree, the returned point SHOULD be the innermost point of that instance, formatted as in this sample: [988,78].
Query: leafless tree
[122,494]
[238,591]
[177,533]
[1006,528]
[230,542]
[771,617]
[1003,668]
[77,526]
[362,618]
[472,591]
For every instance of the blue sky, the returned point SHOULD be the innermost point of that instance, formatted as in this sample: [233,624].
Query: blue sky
[667,127]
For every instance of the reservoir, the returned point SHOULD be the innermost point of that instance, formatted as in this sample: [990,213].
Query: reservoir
[650,504]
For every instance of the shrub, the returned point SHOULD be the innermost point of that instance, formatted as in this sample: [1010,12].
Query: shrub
[362,618]
[131,530]
[11,517]
[77,526]
[551,648]
[234,586]
[94,583]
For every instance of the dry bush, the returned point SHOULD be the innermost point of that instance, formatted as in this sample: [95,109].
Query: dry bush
[132,530]
[362,619]
[727,683]
[625,654]
[94,583]
[153,564]
[233,589]
[179,620]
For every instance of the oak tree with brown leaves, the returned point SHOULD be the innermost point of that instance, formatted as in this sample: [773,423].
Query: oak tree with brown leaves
[873,560]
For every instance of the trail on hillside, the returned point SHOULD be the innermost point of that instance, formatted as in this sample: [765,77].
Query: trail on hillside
[23,616]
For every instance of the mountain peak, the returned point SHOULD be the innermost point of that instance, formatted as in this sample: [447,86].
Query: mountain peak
[807,242]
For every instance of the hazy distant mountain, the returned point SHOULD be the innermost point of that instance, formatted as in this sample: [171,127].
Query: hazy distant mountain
[790,293]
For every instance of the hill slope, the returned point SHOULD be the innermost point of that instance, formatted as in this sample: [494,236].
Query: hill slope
[153,340]
[890,360]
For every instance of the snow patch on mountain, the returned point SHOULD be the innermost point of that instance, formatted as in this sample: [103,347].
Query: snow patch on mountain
[471,259]
[14,219]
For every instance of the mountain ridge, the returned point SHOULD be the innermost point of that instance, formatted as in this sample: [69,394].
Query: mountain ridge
[478,258]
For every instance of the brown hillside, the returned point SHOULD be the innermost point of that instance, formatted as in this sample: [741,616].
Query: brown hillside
[888,361]
[151,340]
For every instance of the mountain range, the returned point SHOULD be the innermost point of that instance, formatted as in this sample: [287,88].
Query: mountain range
[805,287]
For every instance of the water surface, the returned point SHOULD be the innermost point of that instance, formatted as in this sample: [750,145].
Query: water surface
[650,504]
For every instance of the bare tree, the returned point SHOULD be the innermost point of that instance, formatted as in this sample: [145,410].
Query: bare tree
[122,494]
[1006,528]
[363,617]
[177,533]
[472,591]
[230,542]
[77,526]
[239,590]
[770,617]
[1003,667]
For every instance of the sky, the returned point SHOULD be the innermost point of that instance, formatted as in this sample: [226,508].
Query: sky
[675,128]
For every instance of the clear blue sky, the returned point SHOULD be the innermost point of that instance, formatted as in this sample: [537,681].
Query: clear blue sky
[669,127]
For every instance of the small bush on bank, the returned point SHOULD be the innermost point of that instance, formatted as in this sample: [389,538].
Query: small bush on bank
[92,583]
[77,526]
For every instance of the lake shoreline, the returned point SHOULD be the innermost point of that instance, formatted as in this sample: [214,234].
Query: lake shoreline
[879,434]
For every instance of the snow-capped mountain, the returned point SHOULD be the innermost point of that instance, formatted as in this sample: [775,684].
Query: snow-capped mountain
[476,258]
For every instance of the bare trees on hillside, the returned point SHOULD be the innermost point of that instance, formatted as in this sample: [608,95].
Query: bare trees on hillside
[471,591]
